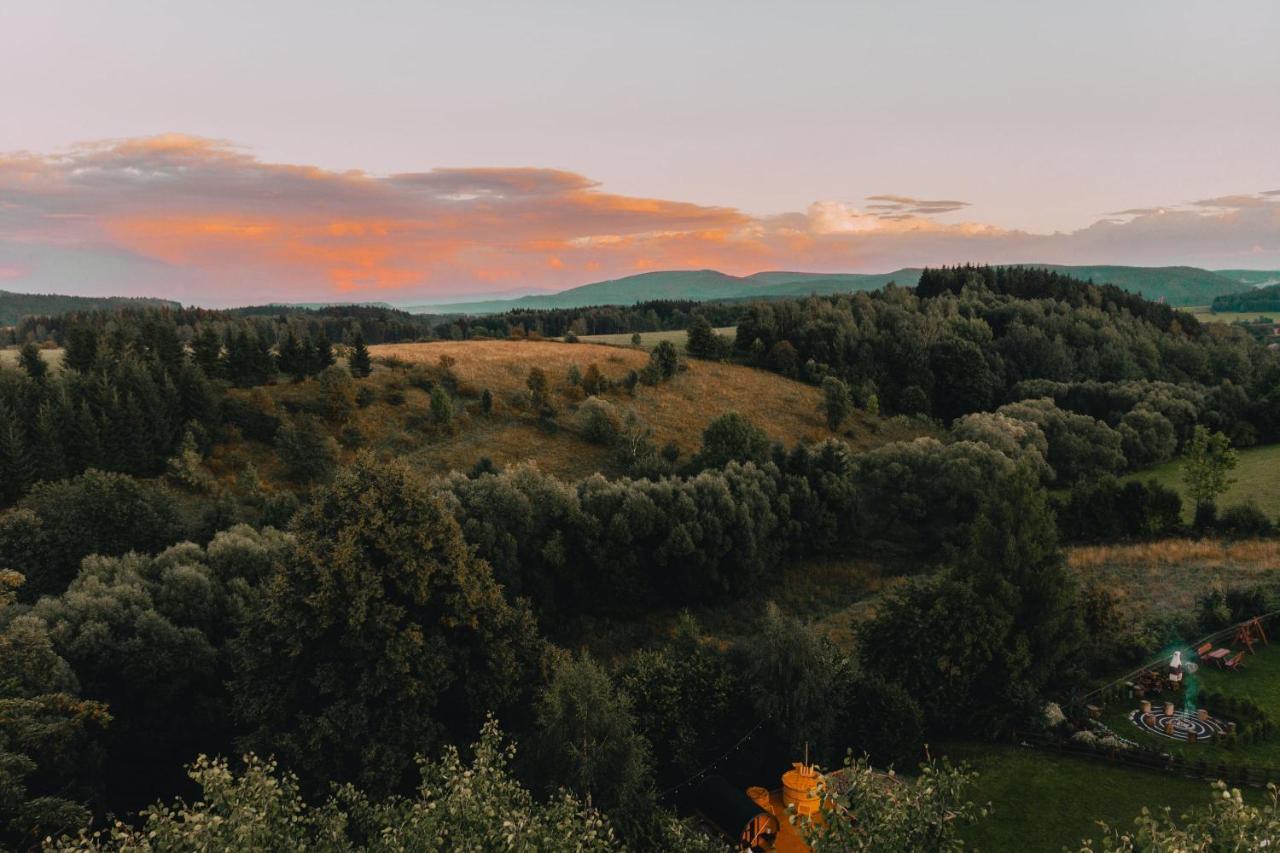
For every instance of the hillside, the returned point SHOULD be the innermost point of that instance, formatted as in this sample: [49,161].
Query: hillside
[1260,298]
[1175,285]
[676,411]
[15,306]
[1256,278]
[699,285]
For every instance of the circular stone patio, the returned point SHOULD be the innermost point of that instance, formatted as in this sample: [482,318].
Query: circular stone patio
[1184,724]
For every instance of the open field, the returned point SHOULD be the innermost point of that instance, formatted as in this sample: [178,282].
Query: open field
[1167,578]
[1257,478]
[1204,315]
[1044,801]
[9,357]
[649,340]
[677,411]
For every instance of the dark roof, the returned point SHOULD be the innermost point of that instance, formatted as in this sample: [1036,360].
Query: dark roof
[727,807]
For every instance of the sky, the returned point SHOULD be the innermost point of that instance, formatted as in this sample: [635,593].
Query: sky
[231,152]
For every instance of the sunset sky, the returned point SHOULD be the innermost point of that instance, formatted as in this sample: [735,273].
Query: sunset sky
[233,152]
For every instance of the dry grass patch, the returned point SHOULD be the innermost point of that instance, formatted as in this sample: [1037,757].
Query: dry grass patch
[1168,577]
[677,410]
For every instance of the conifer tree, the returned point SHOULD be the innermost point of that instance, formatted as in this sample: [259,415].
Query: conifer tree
[206,349]
[293,360]
[360,362]
[324,356]
[16,470]
[32,362]
[81,351]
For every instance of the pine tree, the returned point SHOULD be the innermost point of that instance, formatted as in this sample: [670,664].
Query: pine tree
[324,356]
[32,362]
[360,362]
[81,353]
[16,469]
[293,360]
[206,349]
[47,455]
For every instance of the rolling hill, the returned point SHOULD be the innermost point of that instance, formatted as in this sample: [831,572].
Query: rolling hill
[15,306]
[1179,286]
[677,411]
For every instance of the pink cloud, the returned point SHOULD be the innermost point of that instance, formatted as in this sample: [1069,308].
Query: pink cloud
[205,221]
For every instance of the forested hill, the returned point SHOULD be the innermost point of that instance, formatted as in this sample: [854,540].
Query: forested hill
[1258,299]
[1174,285]
[15,306]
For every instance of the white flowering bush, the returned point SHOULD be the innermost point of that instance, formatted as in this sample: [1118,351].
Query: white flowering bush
[1227,823]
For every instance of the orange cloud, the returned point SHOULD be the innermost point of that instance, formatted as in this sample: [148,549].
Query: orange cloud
[184,216]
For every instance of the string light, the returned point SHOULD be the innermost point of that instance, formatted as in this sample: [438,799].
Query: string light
[705,770]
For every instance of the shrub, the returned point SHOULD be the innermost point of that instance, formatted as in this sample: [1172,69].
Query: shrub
[1244,520]
[600,422]
[306,450]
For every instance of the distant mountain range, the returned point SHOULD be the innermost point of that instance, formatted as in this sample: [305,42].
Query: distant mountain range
[1175,285]
[15,306]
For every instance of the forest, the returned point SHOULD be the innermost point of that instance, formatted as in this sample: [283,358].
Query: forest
[357,654]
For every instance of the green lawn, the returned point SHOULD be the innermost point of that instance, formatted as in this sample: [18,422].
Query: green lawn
[1259,680]
[1050,802]
[649,340]
[1257,478]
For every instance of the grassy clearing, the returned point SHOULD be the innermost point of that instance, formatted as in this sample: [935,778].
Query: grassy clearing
[676,411]
[9,357]
[1049,802]
[1167,578]
[649,340]
[1257,478]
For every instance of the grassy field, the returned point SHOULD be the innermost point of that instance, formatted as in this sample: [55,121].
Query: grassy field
[1204,315]
[9,357]
[1048,802]
[1167,578]
[676,411]
[649,340]
[1257,478]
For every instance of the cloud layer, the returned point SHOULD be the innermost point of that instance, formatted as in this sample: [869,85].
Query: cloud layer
[204,221]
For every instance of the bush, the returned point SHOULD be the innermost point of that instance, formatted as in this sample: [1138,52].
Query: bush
[599,421]
[307,451]
[365,396]
[1244,520]
[881,719]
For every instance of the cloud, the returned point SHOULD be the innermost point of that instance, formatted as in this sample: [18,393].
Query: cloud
[900,204]
[205,221]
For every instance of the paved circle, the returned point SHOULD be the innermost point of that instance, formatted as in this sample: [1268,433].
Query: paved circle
[1184,724]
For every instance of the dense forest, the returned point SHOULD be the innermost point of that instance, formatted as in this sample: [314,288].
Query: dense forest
[15,306]
[1258,299]
[348,659]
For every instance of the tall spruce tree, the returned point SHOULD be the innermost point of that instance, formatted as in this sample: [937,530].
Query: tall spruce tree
[32,361]
[360,362]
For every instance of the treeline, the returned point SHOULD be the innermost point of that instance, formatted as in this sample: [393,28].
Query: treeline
[15,306]
[269,324]
[652,316]
[980,338]
[1258,299]
[127,414]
